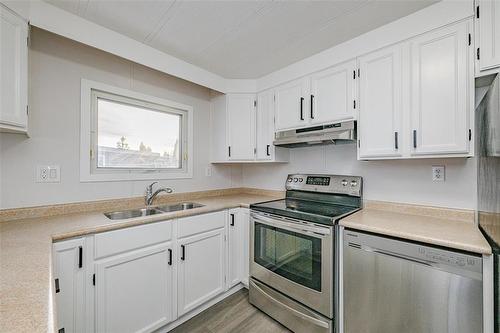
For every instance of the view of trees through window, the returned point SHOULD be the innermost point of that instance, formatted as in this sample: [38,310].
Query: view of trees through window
[130,136]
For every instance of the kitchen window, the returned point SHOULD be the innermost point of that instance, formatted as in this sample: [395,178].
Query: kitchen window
[131,136]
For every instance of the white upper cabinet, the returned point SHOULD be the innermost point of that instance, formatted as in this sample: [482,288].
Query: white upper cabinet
[380,106]
[265,125]
[13,72]
[488,26]
[441,88]
[266,151]
[241,126]
[332,94]
[291,104]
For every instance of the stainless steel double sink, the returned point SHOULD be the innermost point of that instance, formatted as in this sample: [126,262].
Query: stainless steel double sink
[148,211]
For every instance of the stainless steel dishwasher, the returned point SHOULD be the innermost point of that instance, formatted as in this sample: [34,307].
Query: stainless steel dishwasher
[393,286]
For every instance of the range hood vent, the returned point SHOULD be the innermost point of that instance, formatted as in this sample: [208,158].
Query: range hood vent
[337,133]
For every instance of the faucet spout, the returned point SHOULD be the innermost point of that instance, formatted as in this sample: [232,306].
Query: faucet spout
[150,195]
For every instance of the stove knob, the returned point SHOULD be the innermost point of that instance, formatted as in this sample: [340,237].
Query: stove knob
[353,183]
[301,180]
[344,182]
[290,180]
[295,180]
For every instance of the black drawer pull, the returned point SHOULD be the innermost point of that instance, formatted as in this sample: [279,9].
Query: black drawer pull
[414,138]
[170,257]
[232,220]
[80,257]
[183,252]
[396,145]
[268,153]
[312,106]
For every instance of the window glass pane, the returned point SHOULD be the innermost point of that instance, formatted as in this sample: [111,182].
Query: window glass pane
[130,136]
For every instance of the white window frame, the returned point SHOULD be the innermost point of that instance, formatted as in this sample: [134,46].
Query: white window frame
[88,155]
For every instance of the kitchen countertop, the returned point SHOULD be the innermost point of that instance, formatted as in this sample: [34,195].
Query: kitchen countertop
[455,234]
[26,288]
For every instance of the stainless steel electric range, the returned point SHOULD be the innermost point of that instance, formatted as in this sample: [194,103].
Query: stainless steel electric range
[294,250]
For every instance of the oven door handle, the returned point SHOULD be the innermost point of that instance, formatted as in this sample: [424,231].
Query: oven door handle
[299,228]
[299,314]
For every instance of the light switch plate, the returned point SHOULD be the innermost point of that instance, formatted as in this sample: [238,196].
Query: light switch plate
[208,171]
[438,173]
[48,174]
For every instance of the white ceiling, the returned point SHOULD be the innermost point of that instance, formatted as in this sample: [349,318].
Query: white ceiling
[241,39]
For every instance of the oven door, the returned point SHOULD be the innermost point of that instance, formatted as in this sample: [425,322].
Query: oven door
[294,257]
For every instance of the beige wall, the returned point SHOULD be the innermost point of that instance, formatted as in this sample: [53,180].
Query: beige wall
[56,68]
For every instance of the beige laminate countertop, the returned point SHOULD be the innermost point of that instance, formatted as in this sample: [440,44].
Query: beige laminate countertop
[455,234]
[26,288]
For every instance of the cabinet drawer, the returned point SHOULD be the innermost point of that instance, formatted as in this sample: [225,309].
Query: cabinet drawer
[200,223]
[117,241]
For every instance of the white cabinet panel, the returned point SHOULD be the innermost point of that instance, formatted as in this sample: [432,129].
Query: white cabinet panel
[489,33]
[380,95]
[134,290]
[241,126]
[265,125]
[332,94]
[235,247]
[201,269]
[291,104]
[440,91]
[70,286]
[13,72]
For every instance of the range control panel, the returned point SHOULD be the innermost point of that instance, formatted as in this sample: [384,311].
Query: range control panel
[338,184]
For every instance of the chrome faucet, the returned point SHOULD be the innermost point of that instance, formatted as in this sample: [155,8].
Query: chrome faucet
[150,195]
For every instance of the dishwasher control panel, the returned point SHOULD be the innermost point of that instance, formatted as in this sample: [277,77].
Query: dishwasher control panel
[449,258]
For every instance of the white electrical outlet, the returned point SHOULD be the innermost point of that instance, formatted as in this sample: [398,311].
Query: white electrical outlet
[438,173]
[208,171]
[48,174]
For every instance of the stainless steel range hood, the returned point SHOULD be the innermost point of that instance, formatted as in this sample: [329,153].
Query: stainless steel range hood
[337,133]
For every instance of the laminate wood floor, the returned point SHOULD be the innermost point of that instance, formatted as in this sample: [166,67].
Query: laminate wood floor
[233,314]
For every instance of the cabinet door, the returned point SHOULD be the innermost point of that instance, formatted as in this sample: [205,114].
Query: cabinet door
[235,248]
[201,269]
[241,126]
[13,71]
[134,291]
[440,91]
[332,94]
[380,107]
[69,278]
[291,104]
[489,33]
[265,125]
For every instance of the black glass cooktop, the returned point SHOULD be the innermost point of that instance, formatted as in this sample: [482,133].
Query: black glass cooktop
[313,211]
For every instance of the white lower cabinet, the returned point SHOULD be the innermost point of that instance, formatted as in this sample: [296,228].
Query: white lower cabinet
[69,285]
[201,269]
[134,290]
[143,278]
[238,234]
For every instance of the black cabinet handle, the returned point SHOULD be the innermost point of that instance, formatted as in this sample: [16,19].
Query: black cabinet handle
[80,257]
[302,108]
[183,252]
[312,107]
[170,257]
[229,150]
[267,150]
[414,138]
[396,145]
[232,220]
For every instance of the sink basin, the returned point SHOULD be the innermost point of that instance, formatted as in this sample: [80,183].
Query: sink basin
[128,214]
[179,206]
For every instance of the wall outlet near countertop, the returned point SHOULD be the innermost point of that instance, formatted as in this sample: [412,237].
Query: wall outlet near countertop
[438,173]
[208,171]
[48,174]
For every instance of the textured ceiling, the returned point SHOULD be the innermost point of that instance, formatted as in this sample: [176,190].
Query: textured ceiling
[241,39]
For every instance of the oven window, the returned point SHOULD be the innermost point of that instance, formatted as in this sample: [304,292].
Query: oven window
[292,255]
